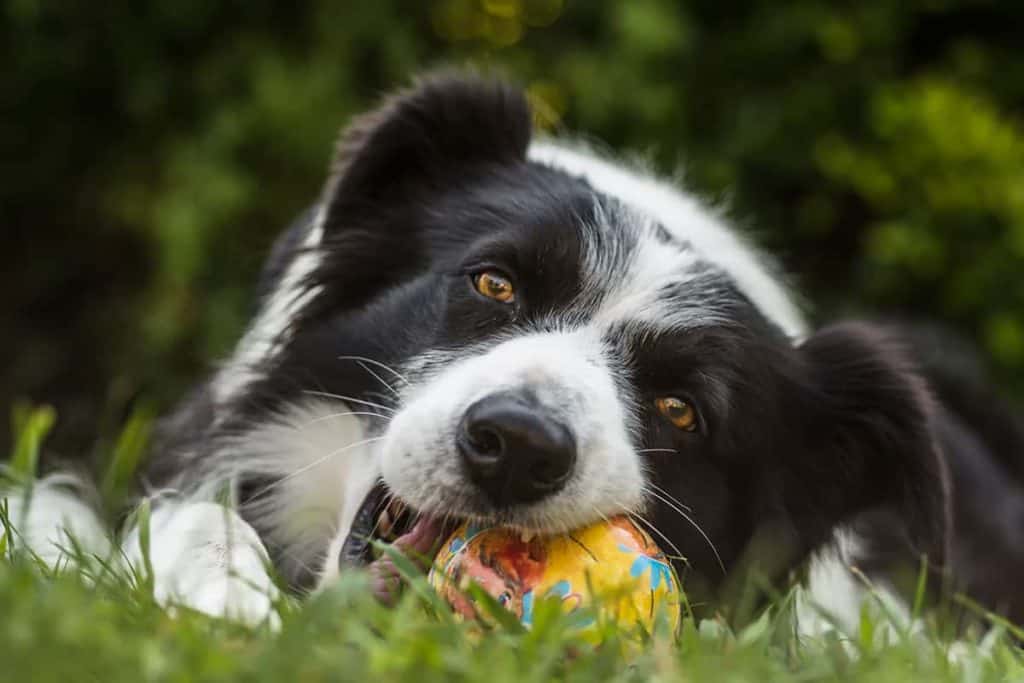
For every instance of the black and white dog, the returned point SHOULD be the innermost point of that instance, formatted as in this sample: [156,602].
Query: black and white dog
[479,325]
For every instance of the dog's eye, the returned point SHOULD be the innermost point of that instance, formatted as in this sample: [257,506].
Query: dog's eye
[494,285]
[678,412]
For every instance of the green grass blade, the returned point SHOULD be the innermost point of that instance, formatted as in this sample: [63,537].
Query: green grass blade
[31,427]
[124,461]
[413,577]
[6,528]
[142,518]
[920,591]
[997,620]
[490,607]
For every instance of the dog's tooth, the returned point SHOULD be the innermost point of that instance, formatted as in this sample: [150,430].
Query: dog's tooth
[384,524]
[526,536]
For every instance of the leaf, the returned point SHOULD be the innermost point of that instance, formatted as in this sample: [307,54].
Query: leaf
[919,593]
[32,426]
[996,620]
[143,515]
[6,524]
[413,577]
[756,631]
[494,609]
[128,452]
[867,631]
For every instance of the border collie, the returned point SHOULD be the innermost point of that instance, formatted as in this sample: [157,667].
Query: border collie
[472,323]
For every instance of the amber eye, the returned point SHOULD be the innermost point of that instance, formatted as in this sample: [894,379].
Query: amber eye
[679,412]
[494,285]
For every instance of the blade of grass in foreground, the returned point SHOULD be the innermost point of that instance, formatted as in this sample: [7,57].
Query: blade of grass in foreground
[124,461]
[31,427]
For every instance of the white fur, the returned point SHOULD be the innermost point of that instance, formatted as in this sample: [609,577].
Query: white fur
[321,459]
[205,557]
[634,290]
[270,329]
[686,219]
[834,595]
[569,374]
[53,517]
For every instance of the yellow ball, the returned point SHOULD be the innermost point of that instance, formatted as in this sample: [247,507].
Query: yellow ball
[614,565]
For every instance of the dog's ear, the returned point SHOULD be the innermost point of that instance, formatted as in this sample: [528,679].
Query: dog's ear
[392,165]
[426,138]
[868,434]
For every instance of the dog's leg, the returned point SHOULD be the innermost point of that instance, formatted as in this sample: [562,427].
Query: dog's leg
[205,557]
[835,596]
[52,521]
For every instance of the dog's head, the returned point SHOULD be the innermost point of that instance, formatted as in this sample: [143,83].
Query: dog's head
[532,347]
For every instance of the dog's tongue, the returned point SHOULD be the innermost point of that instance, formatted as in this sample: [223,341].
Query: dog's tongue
[419,544]
[422,537]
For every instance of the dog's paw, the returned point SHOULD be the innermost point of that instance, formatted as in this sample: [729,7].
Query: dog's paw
[205,557]
[228,597]
[54,522]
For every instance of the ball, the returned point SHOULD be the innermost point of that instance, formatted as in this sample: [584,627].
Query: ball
[613,568]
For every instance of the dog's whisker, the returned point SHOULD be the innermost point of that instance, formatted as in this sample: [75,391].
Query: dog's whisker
[380,379]
[316,463]
[648,524]
[301,563]
[334,416]
[386,398]
[669,501]
[652,528]
[350,399]
[600,514]
[695,525]
[657,450]
[383,366]
[651,485]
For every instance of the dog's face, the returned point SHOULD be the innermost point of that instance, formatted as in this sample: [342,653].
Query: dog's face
[530,351]
[579,358]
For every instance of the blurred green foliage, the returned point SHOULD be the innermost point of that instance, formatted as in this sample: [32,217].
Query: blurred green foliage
[149,152]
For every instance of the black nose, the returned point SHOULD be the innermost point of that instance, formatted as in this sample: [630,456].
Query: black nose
[514,451]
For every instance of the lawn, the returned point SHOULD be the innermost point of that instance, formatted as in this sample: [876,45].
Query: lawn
[88,621]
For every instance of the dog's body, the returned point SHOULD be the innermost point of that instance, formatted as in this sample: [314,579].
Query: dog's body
[485,326]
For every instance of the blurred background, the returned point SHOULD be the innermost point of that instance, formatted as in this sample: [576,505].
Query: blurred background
[149,153]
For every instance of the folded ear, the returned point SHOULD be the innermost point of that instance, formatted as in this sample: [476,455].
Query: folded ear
[391,169]
[424,138]
[869,437]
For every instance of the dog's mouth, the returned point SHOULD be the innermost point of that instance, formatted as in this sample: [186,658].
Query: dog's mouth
[382,518]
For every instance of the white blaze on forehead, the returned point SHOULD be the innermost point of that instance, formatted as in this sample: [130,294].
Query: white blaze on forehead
[270,329]
[636,288]
[686,220]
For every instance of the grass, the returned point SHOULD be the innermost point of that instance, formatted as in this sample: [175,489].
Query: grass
[87,621]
